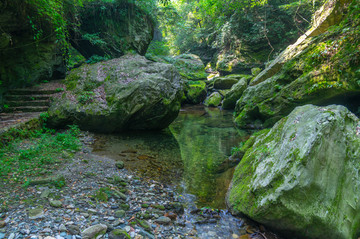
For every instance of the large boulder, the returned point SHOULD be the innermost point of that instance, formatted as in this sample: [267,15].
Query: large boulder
[111,29]
[318,69]
[190,66]
[301,177]
[127,93]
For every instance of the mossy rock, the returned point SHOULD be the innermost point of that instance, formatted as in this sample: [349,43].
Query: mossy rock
[119,234]
[301,177]
[127,93]
[214,100]
[190,66]
[195,92]
[234,94]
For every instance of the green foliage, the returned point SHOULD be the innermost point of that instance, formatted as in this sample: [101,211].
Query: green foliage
[213,24]
[36,153]
[95,59]
[158,48]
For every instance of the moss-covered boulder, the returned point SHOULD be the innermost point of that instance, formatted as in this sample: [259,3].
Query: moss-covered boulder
[321,69]
[224,83]
[110,29]
[127,93]
[234,94]
[301,177]
[213,100]
[190,66]
[195,92]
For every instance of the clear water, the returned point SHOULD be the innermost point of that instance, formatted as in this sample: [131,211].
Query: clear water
[192,154]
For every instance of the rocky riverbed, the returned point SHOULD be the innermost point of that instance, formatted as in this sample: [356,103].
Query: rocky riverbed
[93,196]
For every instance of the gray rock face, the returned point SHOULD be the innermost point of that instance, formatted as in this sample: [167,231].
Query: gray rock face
[128,93]
[94,232]
[120,28]
[301,177]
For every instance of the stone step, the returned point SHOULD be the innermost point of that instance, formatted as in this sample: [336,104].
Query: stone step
[28,103]
[33,91]
[27,109]
[27,97]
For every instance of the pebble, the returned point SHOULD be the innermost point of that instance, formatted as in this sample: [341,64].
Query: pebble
[163,220]
[94,231]
[55,203]
[62,228]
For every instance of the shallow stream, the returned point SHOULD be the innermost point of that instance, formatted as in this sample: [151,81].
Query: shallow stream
[192,155]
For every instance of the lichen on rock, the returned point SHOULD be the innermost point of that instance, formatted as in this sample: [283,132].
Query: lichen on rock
[127,93]
[301,177]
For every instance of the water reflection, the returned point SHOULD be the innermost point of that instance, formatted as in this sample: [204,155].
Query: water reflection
[193,153]
[206,136]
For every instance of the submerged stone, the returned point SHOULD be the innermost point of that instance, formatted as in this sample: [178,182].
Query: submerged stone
[301,177]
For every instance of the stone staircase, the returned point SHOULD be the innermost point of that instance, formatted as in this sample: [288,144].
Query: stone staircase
[27,100]
[25,104]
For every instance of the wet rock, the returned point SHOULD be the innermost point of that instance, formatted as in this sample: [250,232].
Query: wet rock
[2,224]
[94,232]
